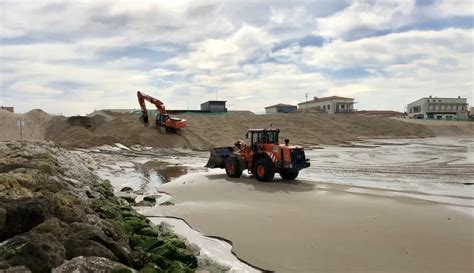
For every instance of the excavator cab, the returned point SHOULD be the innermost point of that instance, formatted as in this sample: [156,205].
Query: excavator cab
[161,120]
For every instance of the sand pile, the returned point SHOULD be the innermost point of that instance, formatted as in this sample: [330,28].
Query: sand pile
[302,128]
[97,130]
[35,125]
[206,131]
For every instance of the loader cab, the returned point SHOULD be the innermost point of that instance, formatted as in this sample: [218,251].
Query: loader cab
[258,137]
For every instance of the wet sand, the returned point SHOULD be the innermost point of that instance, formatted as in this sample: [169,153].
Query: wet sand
[316,227]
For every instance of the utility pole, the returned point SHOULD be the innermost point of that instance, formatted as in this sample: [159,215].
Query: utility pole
[306,95]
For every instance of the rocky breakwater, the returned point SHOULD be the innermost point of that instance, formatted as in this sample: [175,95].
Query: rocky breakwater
[56,215]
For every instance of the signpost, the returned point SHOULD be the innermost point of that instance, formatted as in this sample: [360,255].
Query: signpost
[20,124]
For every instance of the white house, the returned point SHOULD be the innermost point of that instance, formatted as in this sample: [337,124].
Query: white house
[330,105]
[438,108]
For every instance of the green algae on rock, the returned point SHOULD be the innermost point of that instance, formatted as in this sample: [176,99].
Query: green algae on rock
[53,208]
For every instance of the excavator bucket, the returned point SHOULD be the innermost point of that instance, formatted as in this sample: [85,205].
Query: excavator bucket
[219,156]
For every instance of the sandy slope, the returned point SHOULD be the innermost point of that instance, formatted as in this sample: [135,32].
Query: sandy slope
[445,127]
[35,125]
[306,227]
[205,131]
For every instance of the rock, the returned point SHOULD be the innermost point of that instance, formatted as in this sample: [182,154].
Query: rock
[91,264]
[129,197]
[40,252]
[54,226]
[167,203]
[3,218]
[22,215]
[145,243]
[106,234]
[145,204]
[69,207]
[151,199]
[80,247]
[126,189]
[16,269]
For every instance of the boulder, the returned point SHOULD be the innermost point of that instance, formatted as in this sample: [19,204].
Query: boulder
[80,247]
[40,252]
[129,197]
[107,234]
[21,215]
[91,264]
[126,189]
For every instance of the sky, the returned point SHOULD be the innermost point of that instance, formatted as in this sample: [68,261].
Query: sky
[73,57]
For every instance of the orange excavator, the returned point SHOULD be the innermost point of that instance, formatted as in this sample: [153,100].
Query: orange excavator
[163,121]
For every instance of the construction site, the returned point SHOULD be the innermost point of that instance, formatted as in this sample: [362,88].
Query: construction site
[240,190]
[236,136]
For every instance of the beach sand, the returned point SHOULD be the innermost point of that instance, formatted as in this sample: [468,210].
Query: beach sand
[315,227]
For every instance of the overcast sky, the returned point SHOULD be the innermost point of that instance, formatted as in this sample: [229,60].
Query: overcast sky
[76,56]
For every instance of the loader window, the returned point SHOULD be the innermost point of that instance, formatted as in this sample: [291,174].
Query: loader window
[272,137]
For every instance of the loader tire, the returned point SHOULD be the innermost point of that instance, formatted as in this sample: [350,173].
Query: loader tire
[289,175]
[232,167]
[264,170]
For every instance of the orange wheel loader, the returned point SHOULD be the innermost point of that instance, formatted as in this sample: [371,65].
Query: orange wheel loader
[262,155]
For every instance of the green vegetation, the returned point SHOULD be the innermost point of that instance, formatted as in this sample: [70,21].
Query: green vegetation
[153,250]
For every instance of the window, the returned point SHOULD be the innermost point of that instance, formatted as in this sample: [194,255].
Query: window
[329,107]
[439,100]
[342,106]
[324,107]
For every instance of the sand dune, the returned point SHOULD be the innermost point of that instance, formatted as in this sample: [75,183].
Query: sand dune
[206,131]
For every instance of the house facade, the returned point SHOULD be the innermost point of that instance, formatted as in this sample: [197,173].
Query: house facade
[280,108]
[214,106]
[438,108]
[330,105]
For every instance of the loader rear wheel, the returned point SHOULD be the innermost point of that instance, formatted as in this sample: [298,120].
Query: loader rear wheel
[289,175]
[232,167]
[263,170]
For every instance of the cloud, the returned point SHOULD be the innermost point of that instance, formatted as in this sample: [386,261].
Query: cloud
[74,57]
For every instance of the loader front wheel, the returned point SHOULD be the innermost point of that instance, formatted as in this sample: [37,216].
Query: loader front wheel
[232,167]
[289,175]
[264,170]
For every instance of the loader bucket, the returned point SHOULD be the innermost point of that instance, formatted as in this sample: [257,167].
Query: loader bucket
[219,156]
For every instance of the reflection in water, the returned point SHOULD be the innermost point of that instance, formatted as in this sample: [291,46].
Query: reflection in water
[165,171]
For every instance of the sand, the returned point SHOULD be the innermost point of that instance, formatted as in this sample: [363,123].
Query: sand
[308,227]
[445,127]
[35,125]
[205,131]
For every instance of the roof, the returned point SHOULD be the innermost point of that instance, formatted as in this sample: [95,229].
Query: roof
[264,130]
[213,101]
[326,98]
[280,104]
